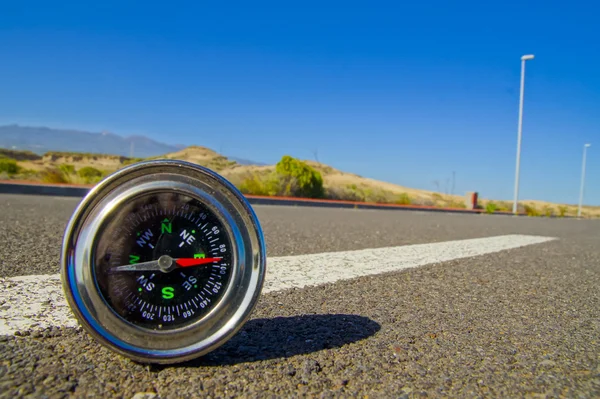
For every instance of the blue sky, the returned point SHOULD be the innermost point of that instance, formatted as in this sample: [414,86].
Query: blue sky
[397,91]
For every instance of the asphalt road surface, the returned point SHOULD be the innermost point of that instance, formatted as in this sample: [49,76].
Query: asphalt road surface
[462,321]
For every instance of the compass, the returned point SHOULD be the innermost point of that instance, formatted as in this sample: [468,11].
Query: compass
[163,261]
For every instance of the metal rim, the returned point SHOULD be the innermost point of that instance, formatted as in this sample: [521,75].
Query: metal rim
[202,336]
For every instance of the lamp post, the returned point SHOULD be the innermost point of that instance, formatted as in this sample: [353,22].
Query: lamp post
[585,147]
[523,59]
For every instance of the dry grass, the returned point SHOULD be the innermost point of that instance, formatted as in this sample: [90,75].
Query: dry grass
[337,184]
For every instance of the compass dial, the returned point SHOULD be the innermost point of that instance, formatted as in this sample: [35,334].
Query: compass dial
[163,260]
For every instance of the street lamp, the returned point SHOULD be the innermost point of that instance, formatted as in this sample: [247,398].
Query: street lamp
[585,147]
[523,59]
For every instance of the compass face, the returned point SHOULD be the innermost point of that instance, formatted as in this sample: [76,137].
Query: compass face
[163,260]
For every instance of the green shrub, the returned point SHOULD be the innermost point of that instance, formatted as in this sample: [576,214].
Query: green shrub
[9,166]
[548,211]
[504,206]
[53,176]
[299,179]
[88,171]
[90,174]
[562,211]
[531,211]
[257,185]
[490,207]
[403,199]
[67,169]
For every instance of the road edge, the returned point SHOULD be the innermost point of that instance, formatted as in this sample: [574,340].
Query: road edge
[71,190]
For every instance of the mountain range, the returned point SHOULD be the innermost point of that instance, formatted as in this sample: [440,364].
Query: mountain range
[43,139]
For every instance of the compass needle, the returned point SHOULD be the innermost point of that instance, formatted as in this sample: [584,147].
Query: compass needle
[185,232]
[168,264]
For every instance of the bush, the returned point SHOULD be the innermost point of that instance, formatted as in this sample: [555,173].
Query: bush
[67,169]
[504,206]
[9,166]
[299,179]
[531,211]
[90,174]
[53,176]
[548,211]
[257,185]
[562,210]
[490,207]
[403,199]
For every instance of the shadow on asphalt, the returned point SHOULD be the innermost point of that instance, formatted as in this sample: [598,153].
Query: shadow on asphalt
[282,337]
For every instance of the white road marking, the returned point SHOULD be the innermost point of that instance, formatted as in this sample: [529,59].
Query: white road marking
[304,270]
[33,302]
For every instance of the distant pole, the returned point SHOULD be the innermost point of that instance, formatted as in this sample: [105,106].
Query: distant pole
[585,147]
[516,199]
[453,181]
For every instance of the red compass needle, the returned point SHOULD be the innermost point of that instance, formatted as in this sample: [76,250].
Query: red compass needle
[187,262]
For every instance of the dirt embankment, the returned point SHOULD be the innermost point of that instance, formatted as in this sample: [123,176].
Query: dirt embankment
[100,161]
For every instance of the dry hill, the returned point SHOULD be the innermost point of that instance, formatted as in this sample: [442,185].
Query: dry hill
[78,168]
